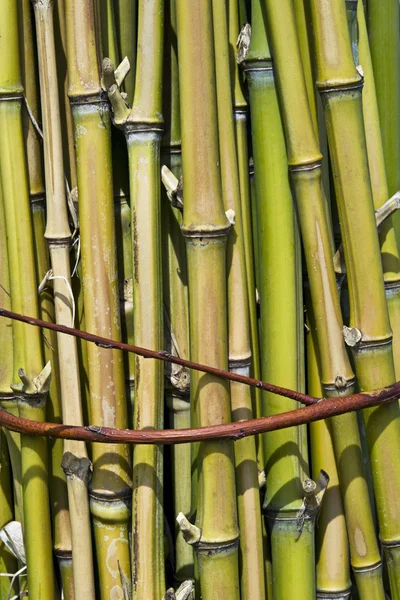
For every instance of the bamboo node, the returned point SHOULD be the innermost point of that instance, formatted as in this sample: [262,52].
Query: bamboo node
[243,43]
[352,336]
[313,496]
[190,532]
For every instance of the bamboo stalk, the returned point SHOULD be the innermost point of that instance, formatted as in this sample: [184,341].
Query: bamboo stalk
[337,379]
[383,28]
[332,552]
[241,131]
[205,228]
[239,346]
[340,86]
[110,486]
[33,386]
[142,128]
[380,190]
[279,329]
[175,292]
[57,482]
[125,22]
[8,564]
[74,462]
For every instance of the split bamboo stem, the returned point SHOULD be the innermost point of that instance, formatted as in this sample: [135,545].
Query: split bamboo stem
[278,287]
[205,228]
[379,186]
[383,29]
[239,342]
[337,378]
[30,382]
[370,336]
[175,292]
[110,486]
[58,235]
[142,126]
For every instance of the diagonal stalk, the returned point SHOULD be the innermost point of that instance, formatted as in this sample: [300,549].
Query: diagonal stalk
[370,336]
[337,379]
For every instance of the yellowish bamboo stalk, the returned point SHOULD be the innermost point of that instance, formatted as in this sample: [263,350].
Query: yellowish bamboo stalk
[30,382]
[205,227]
[175,293]
[75,461]
[110,487]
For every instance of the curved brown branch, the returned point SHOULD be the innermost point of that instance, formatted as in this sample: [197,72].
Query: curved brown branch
[321,410]
[164,356]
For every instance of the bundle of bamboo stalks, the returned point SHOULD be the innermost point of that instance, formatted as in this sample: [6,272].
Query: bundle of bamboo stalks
[210,186]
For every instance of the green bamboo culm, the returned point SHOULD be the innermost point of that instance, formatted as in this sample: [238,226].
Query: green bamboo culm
[337,378]
[30,380]
[175,292]
[142,126]
[285,467]
[239,337]
[205,228]
[110,488]
[369,336]
[379,186]
[383,20]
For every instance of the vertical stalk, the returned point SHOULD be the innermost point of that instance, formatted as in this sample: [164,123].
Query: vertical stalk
[278,288]
[110,486]
[370,336]
[240,358]
[142,126]
[337,379]
[8,564]
[175,291]
[384,40]
[57,482]
[125,23]
[58,235]
[30,383]
[205,228]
